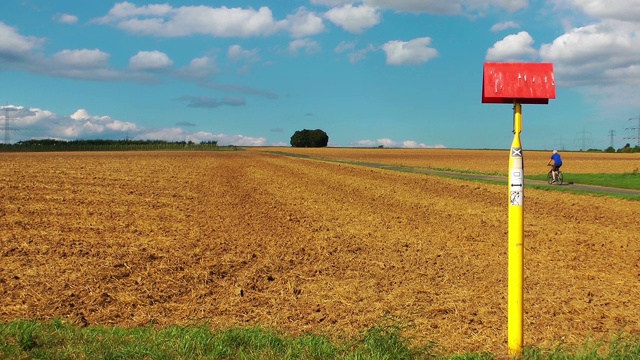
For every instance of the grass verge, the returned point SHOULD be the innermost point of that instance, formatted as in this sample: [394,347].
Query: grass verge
[59,340]
[622,181]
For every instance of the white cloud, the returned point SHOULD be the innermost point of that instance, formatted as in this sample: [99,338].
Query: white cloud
[126,10]
[25,117]
[420,6]
[178,134]
[414,144]
[237,53]
[13,44]
[512,48]
[83,124]
[354,55]
[21,52]
[345,46]
[416,51]
[389,143]
[35,123]
[332,3]
[600,53]
[626,10]
[199,69]
[39,123]
[65,18]
[303,23]
[82,58]
[80,114]
[360,54]
[308,45]
[166,21]
[504,26]
[449,7]
[150,61]
[354,19]
[509,5]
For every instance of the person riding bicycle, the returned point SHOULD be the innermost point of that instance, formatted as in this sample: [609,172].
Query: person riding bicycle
[556,162]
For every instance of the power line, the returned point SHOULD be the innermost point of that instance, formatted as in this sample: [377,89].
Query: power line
[637,138]
[584,140]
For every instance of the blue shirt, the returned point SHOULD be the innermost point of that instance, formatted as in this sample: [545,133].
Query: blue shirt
[557,160]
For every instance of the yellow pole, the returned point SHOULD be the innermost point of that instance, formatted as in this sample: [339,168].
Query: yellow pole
[516,234]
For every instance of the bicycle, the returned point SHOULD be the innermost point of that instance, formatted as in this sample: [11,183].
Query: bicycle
[559,180]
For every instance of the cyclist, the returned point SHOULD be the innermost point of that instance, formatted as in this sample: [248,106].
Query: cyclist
[556,162]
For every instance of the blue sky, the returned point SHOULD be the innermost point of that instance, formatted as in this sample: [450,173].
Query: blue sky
[398,73]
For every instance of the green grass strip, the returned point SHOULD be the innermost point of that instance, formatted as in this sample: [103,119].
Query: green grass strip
[59,340]
[622,181]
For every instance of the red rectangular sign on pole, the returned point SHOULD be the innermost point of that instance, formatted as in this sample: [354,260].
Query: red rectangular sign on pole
[525,83]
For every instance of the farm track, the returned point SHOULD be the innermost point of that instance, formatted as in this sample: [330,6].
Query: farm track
[300,245]
[472,176]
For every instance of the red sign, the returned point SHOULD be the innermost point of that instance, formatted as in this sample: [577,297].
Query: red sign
[525,83]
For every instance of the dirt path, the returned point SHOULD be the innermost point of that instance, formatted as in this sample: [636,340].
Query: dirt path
[472,176]
[503,179]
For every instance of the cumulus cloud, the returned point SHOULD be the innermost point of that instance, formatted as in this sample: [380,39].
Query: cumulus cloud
[14,45]
[150,61]
[166,21]
[237,53]
[354,19]
[303,23]
[147,67]
[601,56]
[512,48]
[361,53]
[386,142]
[354,55]
[36,123]
[178,134]
[65,18]
[83,58]
[39,123]
[420,6]
[331,2]
[199,70]
[309,46]
[84,124]
[601,53]
[449,7]
[625,10]
[416,51]
[163,20]
[504,26]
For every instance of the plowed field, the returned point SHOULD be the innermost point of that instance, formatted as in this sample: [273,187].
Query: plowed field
[244,238]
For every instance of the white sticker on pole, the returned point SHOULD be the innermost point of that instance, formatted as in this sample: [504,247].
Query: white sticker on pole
[516,198]
[517,180]
[516,185]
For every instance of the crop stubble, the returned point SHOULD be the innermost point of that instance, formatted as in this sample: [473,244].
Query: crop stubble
[484,161]
[243,238]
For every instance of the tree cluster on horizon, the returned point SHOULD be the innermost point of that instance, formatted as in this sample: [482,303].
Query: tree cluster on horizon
[309,138]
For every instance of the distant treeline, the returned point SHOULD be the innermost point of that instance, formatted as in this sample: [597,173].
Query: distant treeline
[625,149]
[109,145]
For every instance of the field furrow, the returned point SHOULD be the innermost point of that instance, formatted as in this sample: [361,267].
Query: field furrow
[300,245]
